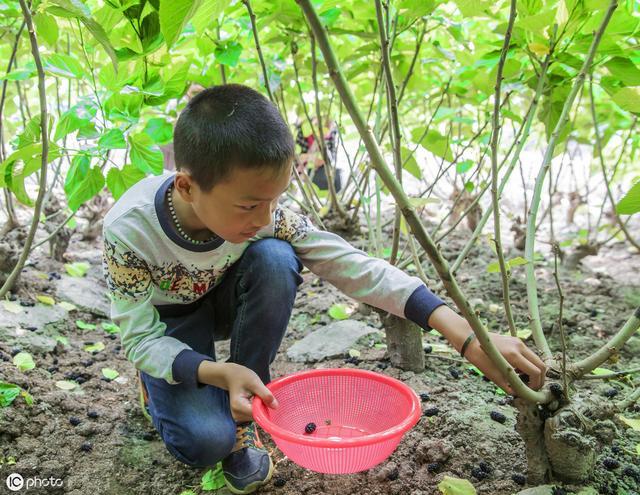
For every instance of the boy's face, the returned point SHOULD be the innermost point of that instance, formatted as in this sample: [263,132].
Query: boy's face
[239,206]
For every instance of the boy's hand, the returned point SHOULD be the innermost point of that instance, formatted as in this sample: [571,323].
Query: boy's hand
[242,384]
[524,360]
[517,354]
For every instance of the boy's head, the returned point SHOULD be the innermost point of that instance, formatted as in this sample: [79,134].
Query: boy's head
[233,153]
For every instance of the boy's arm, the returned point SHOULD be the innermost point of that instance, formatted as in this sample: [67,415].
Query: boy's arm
[378,283]
[363,277]
[141,331]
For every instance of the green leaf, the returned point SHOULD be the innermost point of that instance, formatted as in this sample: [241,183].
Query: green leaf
[21,164]
[338,312]
[213,479]
[119,181]
[330,16]
[64,66]
[101,37]
[110,374]
[416,8]
[77,269]
[11,307]
[87,188]
[624,70]
[113,139]
[19,75]
[110,327]
[524,334]
[27,397]
[634,424]
[630,203]
[159,130]
[150,32]
[410,163]
[456,486]
[8,393]
[125,107]
[67,306]
[174,16]
[601,371]
[464,166]
[434,142]
[228,53]
[73,119]
[495,266]
[66,384]
[62,339]
[48,300]
[145,155]
[628,99]
[46,27]
[355,353]
[473,8]
[82,325]
[97,347]
[24,361]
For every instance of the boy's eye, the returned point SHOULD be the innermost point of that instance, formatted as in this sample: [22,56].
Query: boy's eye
[247,208]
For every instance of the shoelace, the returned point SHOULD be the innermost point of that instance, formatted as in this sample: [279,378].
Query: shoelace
[246,436]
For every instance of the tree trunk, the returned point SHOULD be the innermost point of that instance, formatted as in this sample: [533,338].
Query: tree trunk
[404,342]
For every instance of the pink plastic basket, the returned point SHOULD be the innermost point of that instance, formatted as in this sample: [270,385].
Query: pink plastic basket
[360,418]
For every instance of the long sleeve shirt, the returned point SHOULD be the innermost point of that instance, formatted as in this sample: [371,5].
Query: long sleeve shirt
[148,265]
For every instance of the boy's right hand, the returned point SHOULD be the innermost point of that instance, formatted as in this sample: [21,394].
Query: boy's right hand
[242,384]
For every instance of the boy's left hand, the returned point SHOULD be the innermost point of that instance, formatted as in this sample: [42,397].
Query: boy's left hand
[518,355]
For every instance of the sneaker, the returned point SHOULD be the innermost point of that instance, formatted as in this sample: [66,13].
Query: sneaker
[249,465]
[143,397]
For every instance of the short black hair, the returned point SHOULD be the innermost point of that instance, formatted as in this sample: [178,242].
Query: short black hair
[229,126]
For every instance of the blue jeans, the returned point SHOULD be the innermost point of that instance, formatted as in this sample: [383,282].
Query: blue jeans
[252,306]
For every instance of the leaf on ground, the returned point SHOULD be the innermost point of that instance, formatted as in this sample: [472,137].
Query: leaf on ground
[110,373]
[634,424]
[338,312]
[62,339]
[48,300]
[213,479]
[66,384]
[524,334]
[98,346]
[601,371]
[456,486]
[68,306]
[12,307]
[8,393]
[443,348]
[78,269]
[475,370]
[110,327]
[354,353]
[24,361]
[83,325]
[28,398]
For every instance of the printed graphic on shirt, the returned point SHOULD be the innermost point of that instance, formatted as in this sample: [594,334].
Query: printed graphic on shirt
[289,226]
[131,276]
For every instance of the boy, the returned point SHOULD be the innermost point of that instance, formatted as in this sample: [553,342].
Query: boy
[207,254]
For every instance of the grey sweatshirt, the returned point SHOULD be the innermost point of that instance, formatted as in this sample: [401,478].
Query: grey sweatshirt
[148,265]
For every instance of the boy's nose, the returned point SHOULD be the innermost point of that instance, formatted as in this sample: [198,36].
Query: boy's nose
[264,216]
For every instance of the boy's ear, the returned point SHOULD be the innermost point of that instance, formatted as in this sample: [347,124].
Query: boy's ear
[184,184]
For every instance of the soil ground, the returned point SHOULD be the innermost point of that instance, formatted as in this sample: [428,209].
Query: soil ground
[124,455]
